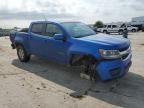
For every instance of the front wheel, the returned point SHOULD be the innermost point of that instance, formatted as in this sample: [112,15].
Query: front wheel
[120,32]
[22,54]
[90,68]
[105,32]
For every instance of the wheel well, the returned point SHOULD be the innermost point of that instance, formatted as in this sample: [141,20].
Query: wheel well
[17,44]
[89,62]
[77,59]
[133,29]
[104,30]
[120,30]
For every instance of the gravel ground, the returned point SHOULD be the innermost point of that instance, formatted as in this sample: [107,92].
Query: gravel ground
[43,84]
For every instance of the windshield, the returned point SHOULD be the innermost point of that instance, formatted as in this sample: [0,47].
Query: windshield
[77,29]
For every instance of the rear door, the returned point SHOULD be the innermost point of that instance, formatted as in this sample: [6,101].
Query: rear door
[114,28]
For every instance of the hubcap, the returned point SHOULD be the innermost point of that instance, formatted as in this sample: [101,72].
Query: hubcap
[21,53]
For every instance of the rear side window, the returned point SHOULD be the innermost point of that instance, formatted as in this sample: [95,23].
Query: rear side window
[52,29]
[109,26]
[37,28]
[114,26]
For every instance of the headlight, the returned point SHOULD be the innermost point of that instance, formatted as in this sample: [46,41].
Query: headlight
[109,54]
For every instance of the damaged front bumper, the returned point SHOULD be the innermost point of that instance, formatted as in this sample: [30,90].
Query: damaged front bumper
[112,69]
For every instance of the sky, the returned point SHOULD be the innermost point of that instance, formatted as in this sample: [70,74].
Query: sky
[21,12]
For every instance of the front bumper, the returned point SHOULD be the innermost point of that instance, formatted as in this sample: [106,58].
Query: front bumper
[108,70]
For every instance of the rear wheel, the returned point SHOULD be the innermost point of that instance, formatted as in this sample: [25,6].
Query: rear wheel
[22,54]
[133,30]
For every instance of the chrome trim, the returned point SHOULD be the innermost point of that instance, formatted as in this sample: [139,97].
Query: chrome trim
[127,51]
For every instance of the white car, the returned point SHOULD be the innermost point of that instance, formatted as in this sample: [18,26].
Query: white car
[111,28]
[114,28]
[131,28]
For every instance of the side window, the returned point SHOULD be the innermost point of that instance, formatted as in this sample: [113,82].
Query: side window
[37,28]
[52,29]
[109,26]
[114,26]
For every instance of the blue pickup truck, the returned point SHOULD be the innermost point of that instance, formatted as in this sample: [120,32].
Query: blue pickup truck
[74,44]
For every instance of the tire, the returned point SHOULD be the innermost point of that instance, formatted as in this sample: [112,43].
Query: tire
[22,54]
[105,32]
[120,32]
[133,30]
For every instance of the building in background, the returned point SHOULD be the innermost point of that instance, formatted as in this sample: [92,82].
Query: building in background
[138,22]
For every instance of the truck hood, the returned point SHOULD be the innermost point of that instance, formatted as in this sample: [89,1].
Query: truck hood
[107,40]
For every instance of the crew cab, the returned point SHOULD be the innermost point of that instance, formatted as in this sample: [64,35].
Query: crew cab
[74,44]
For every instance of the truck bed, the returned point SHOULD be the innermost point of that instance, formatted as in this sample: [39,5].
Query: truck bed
[14,34]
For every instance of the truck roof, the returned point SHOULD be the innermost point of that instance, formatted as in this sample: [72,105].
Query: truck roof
[53,21]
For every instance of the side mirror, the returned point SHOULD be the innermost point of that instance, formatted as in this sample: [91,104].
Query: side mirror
[59,37]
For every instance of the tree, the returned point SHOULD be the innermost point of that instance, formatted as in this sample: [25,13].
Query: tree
[98,24]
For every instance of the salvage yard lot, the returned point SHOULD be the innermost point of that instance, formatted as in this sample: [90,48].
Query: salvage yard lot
[43,84]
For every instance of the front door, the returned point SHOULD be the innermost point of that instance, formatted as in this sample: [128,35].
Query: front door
[37,40]
[109,29]
[55,49]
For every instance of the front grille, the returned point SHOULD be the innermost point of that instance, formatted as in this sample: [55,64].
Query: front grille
[125,52]
[123,49]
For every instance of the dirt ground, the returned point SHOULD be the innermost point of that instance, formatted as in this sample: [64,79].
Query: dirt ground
[43,84]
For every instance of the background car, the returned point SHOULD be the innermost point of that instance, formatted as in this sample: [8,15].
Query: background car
[112,28]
